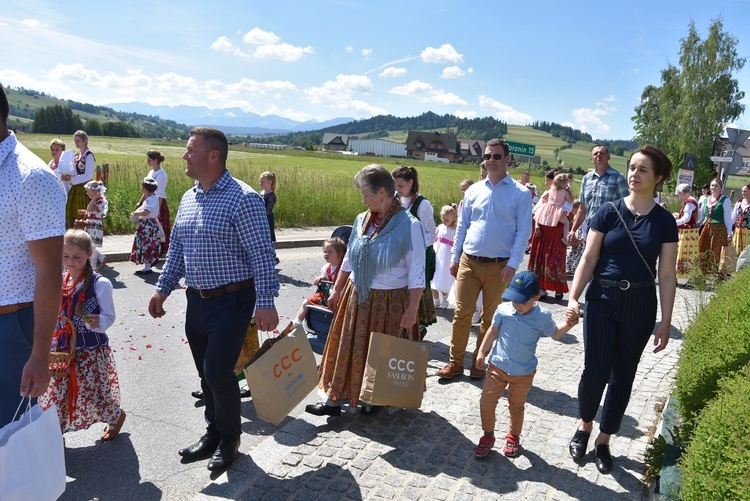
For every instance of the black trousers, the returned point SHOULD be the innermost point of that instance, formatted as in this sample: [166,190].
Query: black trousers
[617,326]
[215,329]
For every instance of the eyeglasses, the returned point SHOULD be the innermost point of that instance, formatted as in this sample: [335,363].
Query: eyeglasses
[494,156]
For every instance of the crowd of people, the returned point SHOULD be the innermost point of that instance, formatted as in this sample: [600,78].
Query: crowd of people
[395,271]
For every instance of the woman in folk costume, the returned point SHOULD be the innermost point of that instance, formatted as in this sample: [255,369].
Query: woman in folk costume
[379,289]
[85,165]
[741,220]
[717,228]
[687,229]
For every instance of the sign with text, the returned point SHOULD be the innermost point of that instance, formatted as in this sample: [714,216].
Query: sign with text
[686,177]
[521,149]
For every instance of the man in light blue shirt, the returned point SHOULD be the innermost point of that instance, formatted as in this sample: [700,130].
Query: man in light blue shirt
[493,229]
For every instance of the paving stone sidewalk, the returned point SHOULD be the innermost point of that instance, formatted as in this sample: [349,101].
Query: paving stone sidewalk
[429,453]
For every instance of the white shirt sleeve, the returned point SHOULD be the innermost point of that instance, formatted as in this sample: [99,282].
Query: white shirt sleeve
[103,290]
[727,207]
[686,216]
[426,215]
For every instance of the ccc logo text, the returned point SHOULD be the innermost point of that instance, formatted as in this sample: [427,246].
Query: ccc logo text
[401,365]
[286,363]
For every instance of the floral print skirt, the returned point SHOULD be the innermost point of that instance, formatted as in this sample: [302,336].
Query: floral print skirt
[146,244]
[98,393]
[547,258]
[345,354]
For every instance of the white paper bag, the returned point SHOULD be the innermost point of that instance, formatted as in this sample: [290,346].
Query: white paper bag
[32,460]
[65,165]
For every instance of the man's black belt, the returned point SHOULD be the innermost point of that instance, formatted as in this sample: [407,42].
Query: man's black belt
[224,289]
[623,284]
[481,259]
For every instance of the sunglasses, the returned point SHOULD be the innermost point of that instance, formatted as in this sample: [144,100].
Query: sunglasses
[493,156]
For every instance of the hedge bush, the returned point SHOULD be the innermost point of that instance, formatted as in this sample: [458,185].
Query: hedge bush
[717,344]
[716,464]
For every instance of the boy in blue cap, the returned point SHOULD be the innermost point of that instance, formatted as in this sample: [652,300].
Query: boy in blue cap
[517,327]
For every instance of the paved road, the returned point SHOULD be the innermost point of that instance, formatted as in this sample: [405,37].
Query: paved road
[412,454]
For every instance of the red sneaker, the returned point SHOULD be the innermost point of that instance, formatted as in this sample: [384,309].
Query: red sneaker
[512,444]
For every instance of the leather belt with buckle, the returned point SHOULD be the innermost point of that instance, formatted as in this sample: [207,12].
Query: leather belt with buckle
[224,289]
[481,259]
[623,284]
[12,308]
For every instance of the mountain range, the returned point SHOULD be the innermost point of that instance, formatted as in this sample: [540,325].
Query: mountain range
[230,120]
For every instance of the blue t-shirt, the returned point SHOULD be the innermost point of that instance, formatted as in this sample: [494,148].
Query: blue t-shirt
[618,259]
[515,348]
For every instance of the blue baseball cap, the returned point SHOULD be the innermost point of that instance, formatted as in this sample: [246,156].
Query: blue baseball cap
[522,287]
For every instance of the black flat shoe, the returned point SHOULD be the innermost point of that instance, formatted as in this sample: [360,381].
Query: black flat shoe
[578,444]
[321,409]
[245,393]
[224,455]
[558,295]
[144,272]
[197,394]
[603,458]
[201,449]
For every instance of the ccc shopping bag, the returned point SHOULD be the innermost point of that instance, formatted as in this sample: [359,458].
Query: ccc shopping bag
[395,371]
[281,374]
[32,461]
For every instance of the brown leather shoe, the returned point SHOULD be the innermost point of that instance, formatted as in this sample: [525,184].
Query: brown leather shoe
[475,373]
[450,370]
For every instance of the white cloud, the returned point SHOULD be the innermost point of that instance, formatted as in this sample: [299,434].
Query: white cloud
[367,52]
[264,45]
[445,54]
[425,93]
[349,49]
[339,94]
[257,36]
[291,114]
[452,72]
[636,71]
[568,124]
[589,120]
[392,72]
[503,111]
[31,23]
[465,114]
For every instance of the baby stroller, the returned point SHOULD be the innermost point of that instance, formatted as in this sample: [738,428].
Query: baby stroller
[319,318]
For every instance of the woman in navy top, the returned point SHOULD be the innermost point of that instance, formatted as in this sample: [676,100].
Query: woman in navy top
[621,298]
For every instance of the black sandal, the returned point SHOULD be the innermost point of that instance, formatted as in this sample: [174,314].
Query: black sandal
[321,409]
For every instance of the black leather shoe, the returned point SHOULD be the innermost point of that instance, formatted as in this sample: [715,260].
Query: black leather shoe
[603,458]
[197,394]
[578,444]
[201,449]
[245,393]
[224,455]
[321,409]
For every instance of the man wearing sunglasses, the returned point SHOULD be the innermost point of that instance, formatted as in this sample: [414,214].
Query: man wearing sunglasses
[493,229]
[603,185]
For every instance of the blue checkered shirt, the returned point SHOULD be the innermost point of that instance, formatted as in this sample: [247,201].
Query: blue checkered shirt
[598,190]
[221,236]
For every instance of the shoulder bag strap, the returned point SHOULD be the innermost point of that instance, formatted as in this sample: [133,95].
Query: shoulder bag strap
[633,240]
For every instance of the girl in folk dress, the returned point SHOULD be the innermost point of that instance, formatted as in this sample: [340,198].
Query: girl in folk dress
[154,160]
[552,211]
[90,392]
[741,220]
[687,230]
[442,281]
[334,250]
[146,244]
[95,212]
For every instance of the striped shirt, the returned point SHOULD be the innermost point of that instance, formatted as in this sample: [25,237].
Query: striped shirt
[219,237]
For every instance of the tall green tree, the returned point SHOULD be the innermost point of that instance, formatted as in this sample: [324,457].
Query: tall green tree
[695,100]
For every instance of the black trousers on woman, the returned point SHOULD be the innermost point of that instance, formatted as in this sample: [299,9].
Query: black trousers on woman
[215,329]
[617,326]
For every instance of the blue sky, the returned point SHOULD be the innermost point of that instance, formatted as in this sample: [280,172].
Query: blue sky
[580,63]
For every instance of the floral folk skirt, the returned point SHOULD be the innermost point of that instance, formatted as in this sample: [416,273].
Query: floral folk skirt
[98,393]
[741,239]
[345,354]
[95,229]
[165,224]
[547,258]
[146,244]
[687,251]
[713,238]
[77,199]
